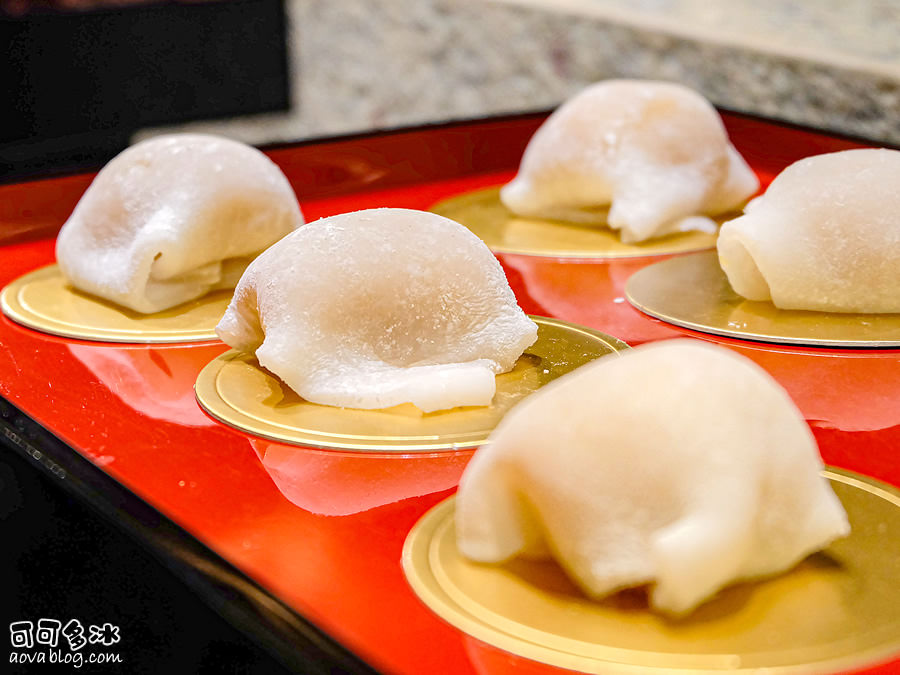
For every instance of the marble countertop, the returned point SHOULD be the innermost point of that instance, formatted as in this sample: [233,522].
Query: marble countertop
[360,65]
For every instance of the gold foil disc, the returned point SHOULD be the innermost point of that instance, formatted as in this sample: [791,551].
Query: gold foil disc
[485,215]
[692,291]
[837,610]
[235,390]
[43,300]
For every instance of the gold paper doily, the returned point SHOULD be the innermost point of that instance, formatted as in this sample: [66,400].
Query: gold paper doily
[44,301]
[692,291]
[838,609]
[483,213]
[234,389]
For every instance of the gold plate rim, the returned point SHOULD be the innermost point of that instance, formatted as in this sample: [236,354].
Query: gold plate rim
[13,308]
[644,287]
[211,401]
[449,207]
[416,559]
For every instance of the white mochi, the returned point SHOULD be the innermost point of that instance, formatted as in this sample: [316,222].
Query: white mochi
[825,236]
[646,158]
[174,217]
[380,307]
[677,464]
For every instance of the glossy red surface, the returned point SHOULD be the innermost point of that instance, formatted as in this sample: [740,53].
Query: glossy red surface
[322,530]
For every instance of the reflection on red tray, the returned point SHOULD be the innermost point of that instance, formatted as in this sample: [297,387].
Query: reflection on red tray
[335,483]
[590,293]
[130,409]
[153,381]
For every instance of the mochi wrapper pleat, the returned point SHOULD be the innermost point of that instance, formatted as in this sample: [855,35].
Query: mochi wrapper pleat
[645,158]
[376,308]
[677,464]
[173,218]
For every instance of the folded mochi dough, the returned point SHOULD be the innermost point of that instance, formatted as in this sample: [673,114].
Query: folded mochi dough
[677,464]
[646,158]
[173,218]
[825,236]
[376,308]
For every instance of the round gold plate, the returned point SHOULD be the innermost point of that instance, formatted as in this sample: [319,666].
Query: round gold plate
[837,610]
[43,300]
[235,390]
[485,215]
[692,291]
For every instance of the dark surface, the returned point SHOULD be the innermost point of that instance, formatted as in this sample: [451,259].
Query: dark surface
[75,85]
[60,561]
[63,559]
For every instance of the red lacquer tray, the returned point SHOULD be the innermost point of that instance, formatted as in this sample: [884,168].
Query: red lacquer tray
[326,549]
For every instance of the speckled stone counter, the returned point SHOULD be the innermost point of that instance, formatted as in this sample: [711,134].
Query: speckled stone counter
[367,64]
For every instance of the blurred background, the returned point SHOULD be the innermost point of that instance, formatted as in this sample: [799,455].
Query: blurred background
[83,78]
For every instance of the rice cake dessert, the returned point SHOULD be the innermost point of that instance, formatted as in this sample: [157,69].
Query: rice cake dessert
[645,158]
[173,218]
[825,236]
[677,464]
[380,307]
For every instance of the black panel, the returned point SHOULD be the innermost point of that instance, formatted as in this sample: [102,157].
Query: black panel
[76,85]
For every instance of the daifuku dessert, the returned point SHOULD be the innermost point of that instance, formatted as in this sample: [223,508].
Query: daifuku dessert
[376,308]
[825,236]
[173,218]
[677,464]
[645,158]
